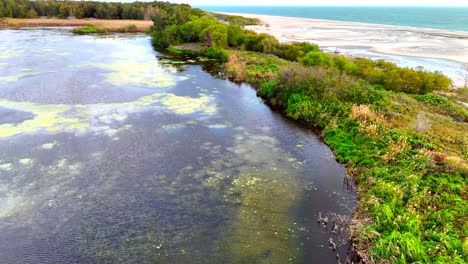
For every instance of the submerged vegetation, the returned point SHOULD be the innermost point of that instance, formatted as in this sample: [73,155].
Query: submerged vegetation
[404,143]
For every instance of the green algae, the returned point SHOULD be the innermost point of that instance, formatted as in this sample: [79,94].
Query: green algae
[184,105]
[147,74]
[82,118]
[217,126]
[25,161]
[6,166]
[262,229]
[263,188]
[49,145]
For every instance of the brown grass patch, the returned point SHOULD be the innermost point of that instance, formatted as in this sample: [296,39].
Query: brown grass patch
[363,113]
[108,25]
[235,69]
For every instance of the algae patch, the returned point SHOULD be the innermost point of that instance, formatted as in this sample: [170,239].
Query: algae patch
[148,74]
[49,145]
[184,105]
[262,187]
[6,166]
[97,118]
[25,161]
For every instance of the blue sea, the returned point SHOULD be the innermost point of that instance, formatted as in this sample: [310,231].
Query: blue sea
[451,18]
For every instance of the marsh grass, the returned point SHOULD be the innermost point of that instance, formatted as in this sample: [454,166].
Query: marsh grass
[108,25]
[86,30]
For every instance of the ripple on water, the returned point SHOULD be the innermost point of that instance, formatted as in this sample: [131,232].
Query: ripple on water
[115,171]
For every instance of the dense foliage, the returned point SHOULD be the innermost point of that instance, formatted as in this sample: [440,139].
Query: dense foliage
[185,25]
[82,9]
[405,145]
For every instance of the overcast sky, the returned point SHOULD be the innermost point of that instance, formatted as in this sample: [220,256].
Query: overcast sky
[323,2]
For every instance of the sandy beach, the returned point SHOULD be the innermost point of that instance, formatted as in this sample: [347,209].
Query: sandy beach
[406,46]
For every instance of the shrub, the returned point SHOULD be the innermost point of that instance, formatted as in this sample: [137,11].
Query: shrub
[235,69]
[444,106]
[317,58]
[216,53]
[32,13]
[296,50]
[88,30]
[215,36]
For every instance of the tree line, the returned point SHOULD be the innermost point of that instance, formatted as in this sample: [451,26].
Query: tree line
[82,9]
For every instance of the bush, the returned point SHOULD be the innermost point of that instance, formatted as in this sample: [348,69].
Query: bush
[444,106]
[216,53]
[88,30]
[215,36]
[234,35]
[32,13]
[317,58]
[128,29]
[169,36]
[296,50]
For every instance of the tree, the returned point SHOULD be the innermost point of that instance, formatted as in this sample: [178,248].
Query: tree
[32,13]
[215,35]
[269,45]
[317,58]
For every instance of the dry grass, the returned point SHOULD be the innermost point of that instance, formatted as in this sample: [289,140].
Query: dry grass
[364,113]
[235,69]
[108,25]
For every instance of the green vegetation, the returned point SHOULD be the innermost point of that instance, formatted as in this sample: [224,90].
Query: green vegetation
[82,9]
[405,144]
[88,30]
[237,20]
[402,140]
[181,24]
[128,29]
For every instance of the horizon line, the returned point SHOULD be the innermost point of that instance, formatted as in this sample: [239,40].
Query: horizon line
[429,6]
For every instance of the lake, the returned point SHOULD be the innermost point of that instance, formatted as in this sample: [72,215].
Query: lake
[111,152]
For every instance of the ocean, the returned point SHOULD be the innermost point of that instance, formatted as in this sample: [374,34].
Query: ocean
[449,18]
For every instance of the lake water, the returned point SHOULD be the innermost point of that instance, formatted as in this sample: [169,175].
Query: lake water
[111,152]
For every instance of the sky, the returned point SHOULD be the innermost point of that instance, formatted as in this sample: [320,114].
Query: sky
[322,2]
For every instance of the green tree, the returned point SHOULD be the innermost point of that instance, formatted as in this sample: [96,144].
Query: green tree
[317,58]
[215,35]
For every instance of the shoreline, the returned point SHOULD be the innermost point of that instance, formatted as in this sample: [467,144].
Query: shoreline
[371,40]
[110,25]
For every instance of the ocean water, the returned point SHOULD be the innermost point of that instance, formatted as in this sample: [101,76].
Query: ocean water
[450,18]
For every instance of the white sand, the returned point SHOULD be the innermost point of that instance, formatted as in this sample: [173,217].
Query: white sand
[374,39]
